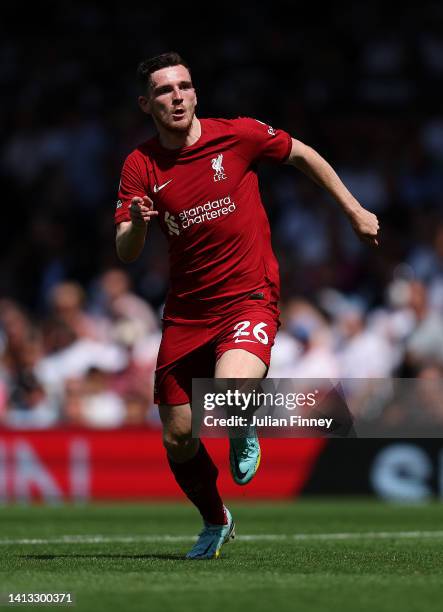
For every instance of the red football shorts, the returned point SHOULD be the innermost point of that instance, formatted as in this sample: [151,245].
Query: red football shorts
[191,350]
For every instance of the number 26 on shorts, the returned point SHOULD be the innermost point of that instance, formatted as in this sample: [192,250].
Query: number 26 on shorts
[258,332]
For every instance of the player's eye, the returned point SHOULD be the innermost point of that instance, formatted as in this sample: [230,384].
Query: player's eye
[162,90]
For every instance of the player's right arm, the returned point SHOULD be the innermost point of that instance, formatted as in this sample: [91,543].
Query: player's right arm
[130,236]
[134,209]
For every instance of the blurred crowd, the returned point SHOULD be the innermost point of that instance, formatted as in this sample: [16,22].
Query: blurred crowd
[91,361]
[362,85]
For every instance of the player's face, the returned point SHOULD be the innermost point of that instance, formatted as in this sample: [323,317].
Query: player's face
[172,98]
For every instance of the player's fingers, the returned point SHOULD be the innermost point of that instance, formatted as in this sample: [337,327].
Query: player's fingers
[376,233]
[370,238]
[135,211]
[148,202]
[150,213]
[142,208]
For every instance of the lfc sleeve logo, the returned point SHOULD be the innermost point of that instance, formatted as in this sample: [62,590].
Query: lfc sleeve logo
[271,130]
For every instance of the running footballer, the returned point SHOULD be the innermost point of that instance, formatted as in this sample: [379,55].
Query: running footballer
[198,177]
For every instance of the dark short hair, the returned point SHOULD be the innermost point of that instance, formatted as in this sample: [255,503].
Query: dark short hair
[148,66]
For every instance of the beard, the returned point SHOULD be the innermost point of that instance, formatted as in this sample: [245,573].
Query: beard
[179,127]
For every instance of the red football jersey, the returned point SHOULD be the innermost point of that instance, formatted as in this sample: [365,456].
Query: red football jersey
[211,211]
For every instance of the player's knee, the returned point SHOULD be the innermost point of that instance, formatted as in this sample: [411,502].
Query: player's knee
[176,439]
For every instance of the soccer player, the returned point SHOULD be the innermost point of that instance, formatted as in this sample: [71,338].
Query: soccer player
[198,177]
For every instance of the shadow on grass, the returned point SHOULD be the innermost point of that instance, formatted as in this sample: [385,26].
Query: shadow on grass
[174,557]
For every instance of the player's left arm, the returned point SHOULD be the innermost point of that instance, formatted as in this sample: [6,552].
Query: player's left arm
[312,164]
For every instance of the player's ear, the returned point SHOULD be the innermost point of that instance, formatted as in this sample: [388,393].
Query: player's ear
[144,104]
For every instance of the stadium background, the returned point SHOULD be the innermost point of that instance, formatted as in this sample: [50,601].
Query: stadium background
[79,332]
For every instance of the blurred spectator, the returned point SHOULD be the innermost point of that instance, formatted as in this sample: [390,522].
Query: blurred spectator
[91,403]
[67,301]
[19,340]
[425,344]
[362,352]
[426,260]
[73,357]
[20,350]
[30,407]
[127,316]
[315,358]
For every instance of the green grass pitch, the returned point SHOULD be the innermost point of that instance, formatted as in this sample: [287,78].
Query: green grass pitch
[316,555]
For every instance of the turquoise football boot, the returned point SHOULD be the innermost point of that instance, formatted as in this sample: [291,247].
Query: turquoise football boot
[212,538]
[244,457]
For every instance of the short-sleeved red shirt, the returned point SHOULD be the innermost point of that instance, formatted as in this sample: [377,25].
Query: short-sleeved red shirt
[211,212]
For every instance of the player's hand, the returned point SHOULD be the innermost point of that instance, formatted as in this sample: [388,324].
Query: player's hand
[365,225]
[141,211]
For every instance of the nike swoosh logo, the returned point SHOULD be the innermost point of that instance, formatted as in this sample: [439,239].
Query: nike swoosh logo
[238,340]
[157,188]
[240,474]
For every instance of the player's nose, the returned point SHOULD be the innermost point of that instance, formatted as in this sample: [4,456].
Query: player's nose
[176,94]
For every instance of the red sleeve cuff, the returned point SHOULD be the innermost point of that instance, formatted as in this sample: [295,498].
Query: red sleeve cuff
[289,148]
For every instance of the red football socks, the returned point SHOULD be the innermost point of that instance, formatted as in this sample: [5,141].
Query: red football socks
[197,478]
